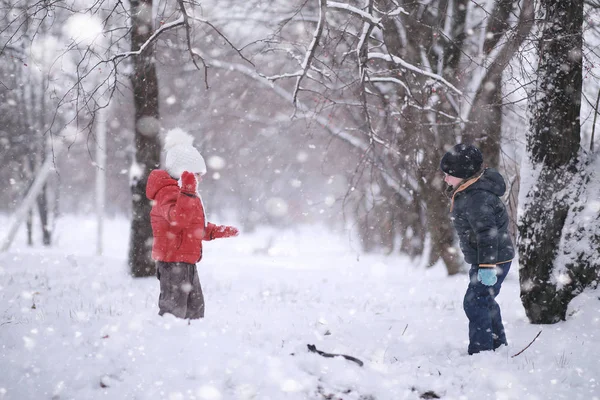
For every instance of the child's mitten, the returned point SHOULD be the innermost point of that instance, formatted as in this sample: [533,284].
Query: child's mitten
[224,231]
[188,183]
[487,276]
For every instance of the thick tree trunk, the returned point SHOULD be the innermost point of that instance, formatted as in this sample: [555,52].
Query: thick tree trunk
[552,146]
[541,230]
[147,142]
[555,137]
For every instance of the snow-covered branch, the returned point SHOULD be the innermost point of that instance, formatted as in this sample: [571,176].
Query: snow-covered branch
[362,48]
[386,79]
[365,16]
[165,27]
[283,76]
[401,62]
[397,11]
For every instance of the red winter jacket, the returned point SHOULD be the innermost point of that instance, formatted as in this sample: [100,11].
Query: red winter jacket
[178,222]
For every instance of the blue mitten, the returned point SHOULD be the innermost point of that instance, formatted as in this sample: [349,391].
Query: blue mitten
[487,276]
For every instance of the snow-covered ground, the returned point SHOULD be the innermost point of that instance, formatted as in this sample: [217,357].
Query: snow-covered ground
[75,326]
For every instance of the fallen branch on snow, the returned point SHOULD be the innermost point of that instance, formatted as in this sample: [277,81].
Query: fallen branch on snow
[530,343]
[312,348]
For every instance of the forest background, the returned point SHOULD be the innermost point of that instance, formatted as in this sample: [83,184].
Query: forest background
[316,111]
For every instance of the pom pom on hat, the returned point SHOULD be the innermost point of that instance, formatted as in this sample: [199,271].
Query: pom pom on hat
[181,154]
[462,161]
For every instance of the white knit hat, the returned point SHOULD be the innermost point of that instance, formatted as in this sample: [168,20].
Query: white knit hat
[181,154]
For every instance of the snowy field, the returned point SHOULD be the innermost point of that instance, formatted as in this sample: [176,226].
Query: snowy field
[75,326]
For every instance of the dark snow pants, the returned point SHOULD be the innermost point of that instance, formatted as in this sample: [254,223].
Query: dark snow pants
[486,331]
[180,291]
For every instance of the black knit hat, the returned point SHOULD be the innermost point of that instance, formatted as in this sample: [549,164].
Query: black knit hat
[462,161]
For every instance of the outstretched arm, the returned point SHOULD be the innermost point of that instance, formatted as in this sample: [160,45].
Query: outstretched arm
[219,231]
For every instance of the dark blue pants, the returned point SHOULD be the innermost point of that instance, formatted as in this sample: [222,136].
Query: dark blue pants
[486,331]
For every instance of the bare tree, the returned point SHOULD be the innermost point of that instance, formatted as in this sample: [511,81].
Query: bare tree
[96,76]
[409,79]
[27,108]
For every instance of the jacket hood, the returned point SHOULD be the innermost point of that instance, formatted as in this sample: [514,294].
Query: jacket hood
[157,180]
[490,180]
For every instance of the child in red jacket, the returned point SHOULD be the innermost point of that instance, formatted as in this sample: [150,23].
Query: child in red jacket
[179,227]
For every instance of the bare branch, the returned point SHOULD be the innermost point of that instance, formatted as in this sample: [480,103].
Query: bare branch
[333,129]
[530,343]
[499,58]
[194,55]
[238,51]
[456,120]
[594,124]
[292,74]
[283,93]
[312,48]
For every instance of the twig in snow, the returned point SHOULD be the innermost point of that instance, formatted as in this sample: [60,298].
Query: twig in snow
[313,349]
[530,343]
[405,328]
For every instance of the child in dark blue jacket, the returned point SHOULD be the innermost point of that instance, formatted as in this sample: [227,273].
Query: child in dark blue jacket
[481,222]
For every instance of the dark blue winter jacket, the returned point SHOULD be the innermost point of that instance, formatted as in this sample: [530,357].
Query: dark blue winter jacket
[481,220]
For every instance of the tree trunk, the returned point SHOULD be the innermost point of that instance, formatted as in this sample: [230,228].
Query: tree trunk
[485,126]
[43,210]
[552,146]
[542,224]
[422,137]
[29,224]
[443,238]
[555,137]
[147,143]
